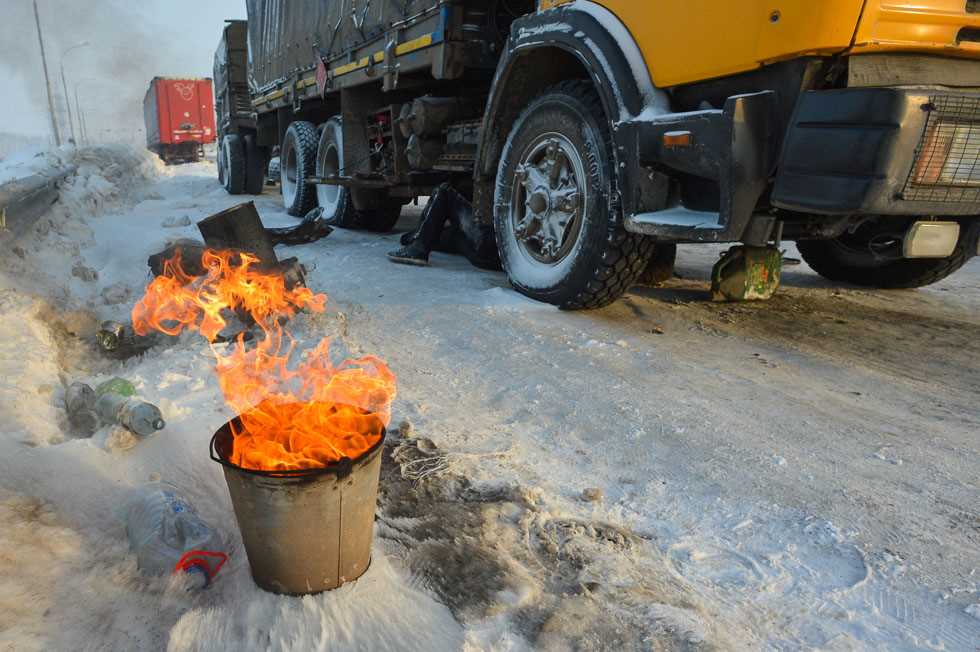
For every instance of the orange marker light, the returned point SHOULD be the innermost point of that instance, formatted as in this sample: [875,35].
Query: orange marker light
[678,139]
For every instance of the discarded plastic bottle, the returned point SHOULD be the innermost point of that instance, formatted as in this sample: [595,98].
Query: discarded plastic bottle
[168,536]
[119,341]
[80,405]
[116,385]
[140,417]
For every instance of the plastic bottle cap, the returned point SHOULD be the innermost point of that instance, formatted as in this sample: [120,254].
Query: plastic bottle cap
[198,577]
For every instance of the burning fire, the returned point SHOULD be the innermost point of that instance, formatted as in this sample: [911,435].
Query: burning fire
[301,416]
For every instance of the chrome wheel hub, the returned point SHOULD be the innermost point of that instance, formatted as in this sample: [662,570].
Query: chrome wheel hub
[328,165]
[549,198]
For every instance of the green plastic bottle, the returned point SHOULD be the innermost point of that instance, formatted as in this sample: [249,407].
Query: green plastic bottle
[116,385]
[116,404]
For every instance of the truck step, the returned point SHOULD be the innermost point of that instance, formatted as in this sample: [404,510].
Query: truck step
[677,222]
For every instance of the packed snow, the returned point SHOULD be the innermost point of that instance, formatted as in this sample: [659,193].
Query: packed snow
[663,474]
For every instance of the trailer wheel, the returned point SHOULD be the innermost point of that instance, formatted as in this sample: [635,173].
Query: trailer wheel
[221,164]
[234,164]
[336,202]
[297,164]
[871,256]
[255,164]
[560,236]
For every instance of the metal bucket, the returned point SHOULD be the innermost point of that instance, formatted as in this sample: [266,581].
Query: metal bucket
[304,531]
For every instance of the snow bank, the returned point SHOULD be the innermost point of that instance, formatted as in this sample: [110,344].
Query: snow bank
[30,379]
[48,260]
[24,163]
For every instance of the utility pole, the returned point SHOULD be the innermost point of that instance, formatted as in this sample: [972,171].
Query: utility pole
[81,118]
[47,80]
[64,85]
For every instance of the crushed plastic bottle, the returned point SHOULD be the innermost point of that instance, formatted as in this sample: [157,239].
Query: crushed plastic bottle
[140,417]
[169,537]
[80,405]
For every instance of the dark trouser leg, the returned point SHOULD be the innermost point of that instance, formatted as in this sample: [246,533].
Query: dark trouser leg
[473,240]
[421,243]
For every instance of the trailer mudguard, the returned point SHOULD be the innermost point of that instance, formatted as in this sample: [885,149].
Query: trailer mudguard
[603,46]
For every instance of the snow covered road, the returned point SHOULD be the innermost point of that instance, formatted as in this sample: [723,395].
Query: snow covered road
[799,474]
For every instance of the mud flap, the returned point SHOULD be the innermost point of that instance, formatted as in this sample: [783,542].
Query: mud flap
[747,274]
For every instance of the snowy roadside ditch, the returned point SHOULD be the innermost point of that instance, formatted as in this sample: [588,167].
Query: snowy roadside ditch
[459,562]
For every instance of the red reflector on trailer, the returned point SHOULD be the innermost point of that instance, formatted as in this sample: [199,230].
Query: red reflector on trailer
[321,76]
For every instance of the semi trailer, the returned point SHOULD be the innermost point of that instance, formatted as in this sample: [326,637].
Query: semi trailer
[241,162]
[179,118]
[592,135]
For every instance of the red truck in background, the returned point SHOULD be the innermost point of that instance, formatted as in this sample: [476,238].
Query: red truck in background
[179,116]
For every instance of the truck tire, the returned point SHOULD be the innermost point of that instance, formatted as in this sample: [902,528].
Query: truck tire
[255,164]
[560,239]
[296,165]
[850,259]
[220,163]
[381,218]
[336,202]
[660,267]
[233,155]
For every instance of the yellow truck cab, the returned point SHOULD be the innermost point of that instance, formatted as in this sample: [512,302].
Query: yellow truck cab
[593,135]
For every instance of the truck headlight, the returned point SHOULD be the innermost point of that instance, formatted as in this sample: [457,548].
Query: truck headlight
[931,240]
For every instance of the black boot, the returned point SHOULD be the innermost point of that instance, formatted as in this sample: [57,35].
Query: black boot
[417,246]
[414,254]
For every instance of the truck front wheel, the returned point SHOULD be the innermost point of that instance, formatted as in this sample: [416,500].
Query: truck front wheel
[297,164]
[871,256]
[561,239]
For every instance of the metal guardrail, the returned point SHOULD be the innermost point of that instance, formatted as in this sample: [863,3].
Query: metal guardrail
[24,200]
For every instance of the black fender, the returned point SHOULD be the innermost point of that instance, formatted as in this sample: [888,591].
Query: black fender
[599,42]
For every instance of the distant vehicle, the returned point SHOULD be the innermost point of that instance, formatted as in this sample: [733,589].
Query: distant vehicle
[594,135]
[179,116]
[273,171]
[241,162]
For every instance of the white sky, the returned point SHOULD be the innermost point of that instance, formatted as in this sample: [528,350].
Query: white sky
[130,42]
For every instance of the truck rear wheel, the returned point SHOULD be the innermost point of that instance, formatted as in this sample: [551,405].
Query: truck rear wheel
[560,240]
[256,160]
[382,217]
[233,162]
[220,163]
[336,202]
[871,256]
[297,164]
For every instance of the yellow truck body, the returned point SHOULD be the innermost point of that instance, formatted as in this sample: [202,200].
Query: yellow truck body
[685,42]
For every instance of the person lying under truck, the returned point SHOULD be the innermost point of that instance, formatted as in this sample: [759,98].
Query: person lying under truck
[448,225]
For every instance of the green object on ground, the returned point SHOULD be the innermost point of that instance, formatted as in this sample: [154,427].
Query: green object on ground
[747,274]
[116,385]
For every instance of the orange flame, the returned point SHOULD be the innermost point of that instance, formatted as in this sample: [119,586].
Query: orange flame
[301,417]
